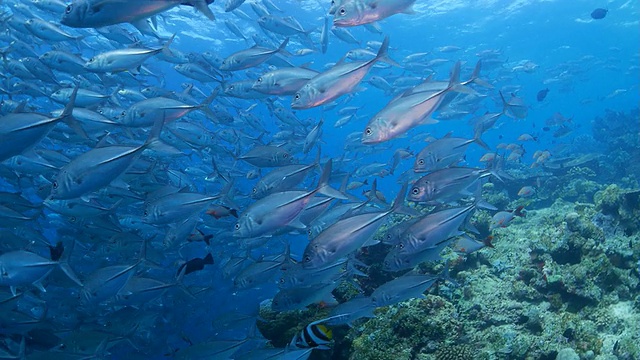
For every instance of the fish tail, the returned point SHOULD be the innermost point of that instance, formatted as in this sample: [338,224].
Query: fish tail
[323,183]
[67,114]
[454,78]
[154,135]
[398,203]
[455,84]
[165,48]
[505,106]
[205,104]
[208,260]
[202,6]
[66,268]
[446,277]
[479,141]
[383,54]
[282,46]
[68,109]
[374,191]
[154,142]
[475,77]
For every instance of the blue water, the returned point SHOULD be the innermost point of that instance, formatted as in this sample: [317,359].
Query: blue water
[583,62]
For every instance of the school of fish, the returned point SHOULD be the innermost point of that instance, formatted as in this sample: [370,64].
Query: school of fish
[134,208]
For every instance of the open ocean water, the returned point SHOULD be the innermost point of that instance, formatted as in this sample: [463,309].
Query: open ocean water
[355,179]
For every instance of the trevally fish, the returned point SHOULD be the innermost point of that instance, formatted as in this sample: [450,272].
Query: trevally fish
[281,179]
[98,167]
[148,111]
[105,283]
[406,112]
[443,153]
[277,210]
[99,13]
[425,239]
[176,207]
[267,156]
[251,57]
[359,12]
[21,131]
[23,268]
[48,31]
[403,288]
[341,79]
[123,59]
[285,81]
[347,235]
[446,184]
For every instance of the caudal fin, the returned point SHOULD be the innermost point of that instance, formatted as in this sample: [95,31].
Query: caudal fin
[398,203]
[475,77]
[205,104]
[203,7]
[383,54]
[323,183]
[67,114]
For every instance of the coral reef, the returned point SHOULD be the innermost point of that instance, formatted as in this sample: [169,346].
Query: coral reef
[555,285]
[561,284]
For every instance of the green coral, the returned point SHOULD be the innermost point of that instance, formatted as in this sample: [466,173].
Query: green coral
[454,352]
[609,200]
[405,330]
[281,327]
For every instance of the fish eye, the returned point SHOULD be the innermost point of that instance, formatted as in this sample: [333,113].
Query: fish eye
[297,97]
[281,280]
[415,191]
[285,155]
[368,131]
[146,213]
[342,11]
[255,190]
[401,245]
[68,9]
[421,162]
[55,184]
[307,258]
[237,226]
[123,114]
[259,80]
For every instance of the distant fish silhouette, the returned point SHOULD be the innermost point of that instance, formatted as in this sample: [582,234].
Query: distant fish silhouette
[599,13]
[542,94]
[195,264]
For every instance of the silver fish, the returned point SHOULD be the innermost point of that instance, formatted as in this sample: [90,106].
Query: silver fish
[446,184]
[403,288]
[284,81]
[176,207]
[359,12]
[341,79]
[98,167]
[99,13]
[406,112]
[123,59]
[21,131]
[277,210]
[443,153]
[346,236]
[251,57]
